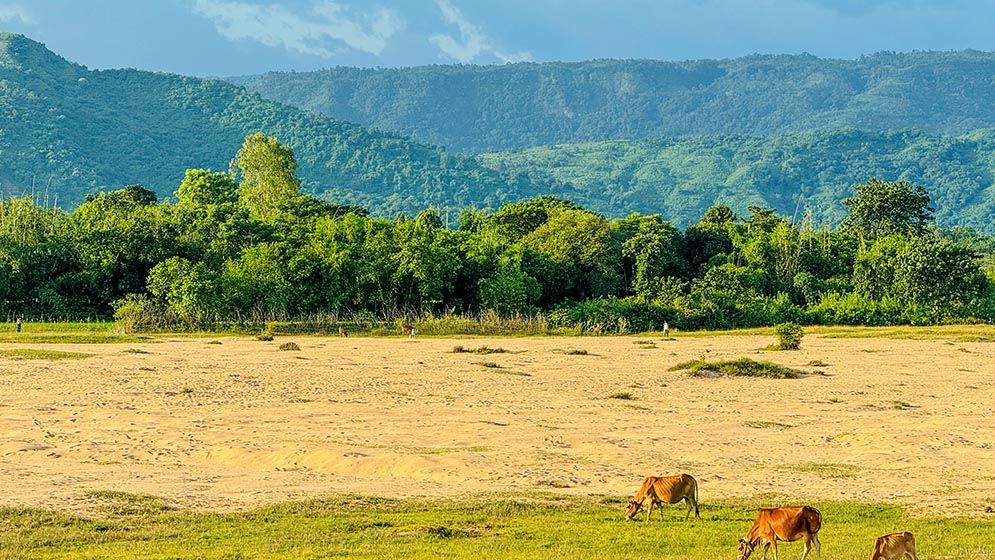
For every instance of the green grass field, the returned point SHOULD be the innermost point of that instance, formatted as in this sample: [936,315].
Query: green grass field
[533,526]
[97,332]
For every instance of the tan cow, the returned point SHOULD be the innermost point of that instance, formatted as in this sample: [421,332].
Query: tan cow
[786,524]
[659,490]
[896,546]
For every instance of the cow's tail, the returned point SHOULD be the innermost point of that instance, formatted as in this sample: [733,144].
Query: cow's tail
[813,520]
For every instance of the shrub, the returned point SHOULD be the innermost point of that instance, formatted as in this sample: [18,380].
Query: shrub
[612,315]
[265,336]
[290,346]
[789,336]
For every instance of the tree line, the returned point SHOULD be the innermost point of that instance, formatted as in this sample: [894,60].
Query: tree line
[247,244]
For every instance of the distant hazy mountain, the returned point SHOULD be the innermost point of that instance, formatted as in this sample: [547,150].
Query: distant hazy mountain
[69,131]
[681,178]
[487,108]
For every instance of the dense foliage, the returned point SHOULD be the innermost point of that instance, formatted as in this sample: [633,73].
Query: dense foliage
[681,178]
[490,108]
[248,245]
[66,132]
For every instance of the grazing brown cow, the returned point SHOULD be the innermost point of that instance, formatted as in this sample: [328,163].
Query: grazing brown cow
[343,332]
[896,546]
[786,524]
[409,329]
[659,490]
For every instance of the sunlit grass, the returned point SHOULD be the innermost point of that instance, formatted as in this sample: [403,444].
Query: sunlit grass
[517,527]
[95,332]
[40,354]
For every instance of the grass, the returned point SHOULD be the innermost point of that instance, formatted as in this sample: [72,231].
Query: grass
[575,352]
[828,470]
[290,346]
[761,424]
[515,527]
[622,396]
[135,351]
[458,349]
[492,365]
[741,367]
[41,354]
[97,332]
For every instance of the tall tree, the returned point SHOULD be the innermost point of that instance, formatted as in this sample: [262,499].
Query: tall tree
[880,208]
[268,172]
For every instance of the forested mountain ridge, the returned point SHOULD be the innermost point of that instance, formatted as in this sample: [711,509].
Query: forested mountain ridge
[680,178]
[494,108]
[68,131]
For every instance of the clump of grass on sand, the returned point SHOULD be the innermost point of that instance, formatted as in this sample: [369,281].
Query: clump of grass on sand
[575,352]
[290,346]
[459,349]
[741,367]
[622,396]
[41,354]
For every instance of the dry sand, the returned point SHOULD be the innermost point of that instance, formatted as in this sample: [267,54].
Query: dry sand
[242,424]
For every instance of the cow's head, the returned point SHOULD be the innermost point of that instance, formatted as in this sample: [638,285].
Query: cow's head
[632,508]
[745,549]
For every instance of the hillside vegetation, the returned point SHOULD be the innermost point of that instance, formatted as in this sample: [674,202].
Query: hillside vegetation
[68,131]
[496,108]
[680,178]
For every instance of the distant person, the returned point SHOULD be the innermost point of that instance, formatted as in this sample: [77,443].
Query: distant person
[666,329]
[18,324]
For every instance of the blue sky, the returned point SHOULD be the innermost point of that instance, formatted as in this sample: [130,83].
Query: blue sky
[234,37]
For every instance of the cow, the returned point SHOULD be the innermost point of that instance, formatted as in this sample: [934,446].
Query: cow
[409,329]
[786,524]
[659,490]
[342,331]
[896,546]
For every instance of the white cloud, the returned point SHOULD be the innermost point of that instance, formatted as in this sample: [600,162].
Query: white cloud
[327,24]
[11,12]
[472,40]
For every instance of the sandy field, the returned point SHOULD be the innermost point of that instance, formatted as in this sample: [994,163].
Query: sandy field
[242,423]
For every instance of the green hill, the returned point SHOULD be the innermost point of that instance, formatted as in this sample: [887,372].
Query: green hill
[681,178]
[68,131]
[492,108]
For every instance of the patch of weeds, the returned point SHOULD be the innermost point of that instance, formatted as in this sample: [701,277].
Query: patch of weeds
[126,503]
[290,346]
[265,336]
[645,343]
[741,367]
[622,396]
[765,424]
[636,407]
[490,365]
[830,470]
[41,354]
[444,532]
[135,351]
[458,349]
[817,363]
[575,352]
[965,350]
[213,342]
[902,405]
[519,373]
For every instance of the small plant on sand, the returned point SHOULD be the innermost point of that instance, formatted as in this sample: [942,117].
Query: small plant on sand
[213,342]
[265,336]
[459,349]
[622,396]
[292,346]
[490,365]
[789,337]
[742,367]
[575,352]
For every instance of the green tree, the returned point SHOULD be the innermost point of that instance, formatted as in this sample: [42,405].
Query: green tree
[268,172]
[880,208]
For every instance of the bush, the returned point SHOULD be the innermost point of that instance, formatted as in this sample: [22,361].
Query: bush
[292,346]
[742,367]
[265,336]
[852,309]
[612,315]
[789,336]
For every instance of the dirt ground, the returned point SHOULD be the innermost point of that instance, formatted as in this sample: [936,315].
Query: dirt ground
[242,423]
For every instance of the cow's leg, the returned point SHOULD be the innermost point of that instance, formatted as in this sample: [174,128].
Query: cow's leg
[808,546]
[649,512]
[773,544]
[766,548]
[659,507]
[818,546]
